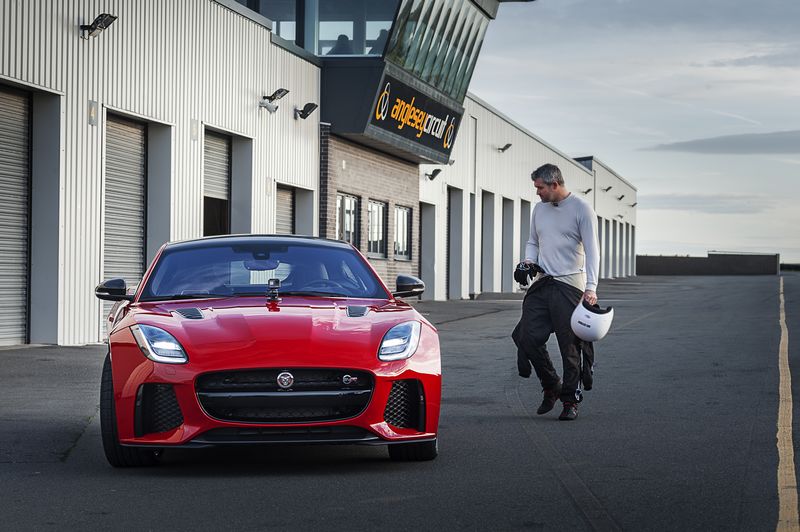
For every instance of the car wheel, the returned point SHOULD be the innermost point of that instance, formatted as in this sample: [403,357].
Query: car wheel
[414,452]
[116,454]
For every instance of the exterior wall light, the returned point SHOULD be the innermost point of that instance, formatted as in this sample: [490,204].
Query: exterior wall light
[619,198]
[266,101]
[277,95]
[103,21]
[620,216]
[504,148]
[306,111]
[609,187]
[634,204]
[433,174]
[586,191]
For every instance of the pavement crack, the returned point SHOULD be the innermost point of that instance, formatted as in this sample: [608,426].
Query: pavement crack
[63,457]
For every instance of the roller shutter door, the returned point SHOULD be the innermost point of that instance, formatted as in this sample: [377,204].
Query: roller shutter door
[216,184]
[14,215]
[217,173]
[284,211]
[124,222]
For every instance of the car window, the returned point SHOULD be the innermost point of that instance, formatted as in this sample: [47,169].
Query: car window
[245,269]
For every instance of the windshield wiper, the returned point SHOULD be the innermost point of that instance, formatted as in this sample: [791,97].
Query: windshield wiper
[186,296]
[311,293]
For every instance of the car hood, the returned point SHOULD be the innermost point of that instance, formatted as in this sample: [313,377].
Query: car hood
[301,332]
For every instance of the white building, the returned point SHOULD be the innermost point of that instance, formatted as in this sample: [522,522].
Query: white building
[137,136]
[115,141]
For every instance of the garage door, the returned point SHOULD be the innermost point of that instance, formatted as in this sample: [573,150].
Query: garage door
[14,215]
[124,223]
[284,211]
[216,184]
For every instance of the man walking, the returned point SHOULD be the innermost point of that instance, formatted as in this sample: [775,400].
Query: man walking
[563,243]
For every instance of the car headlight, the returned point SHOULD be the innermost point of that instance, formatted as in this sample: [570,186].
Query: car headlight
[158,345]
[400,341]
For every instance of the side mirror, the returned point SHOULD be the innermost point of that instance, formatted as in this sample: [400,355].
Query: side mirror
[113,290]
[408,286]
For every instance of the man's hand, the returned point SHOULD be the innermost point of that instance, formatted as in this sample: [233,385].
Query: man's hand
[523,273]
[590,296]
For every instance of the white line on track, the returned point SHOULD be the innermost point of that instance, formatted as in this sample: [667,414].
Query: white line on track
[787,481]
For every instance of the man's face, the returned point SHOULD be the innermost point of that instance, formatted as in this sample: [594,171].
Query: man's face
[546,193]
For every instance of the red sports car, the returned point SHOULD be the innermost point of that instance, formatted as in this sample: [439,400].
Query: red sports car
[266,339]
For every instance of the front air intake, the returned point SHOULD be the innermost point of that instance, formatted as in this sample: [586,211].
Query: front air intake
[157,409]
[405,407]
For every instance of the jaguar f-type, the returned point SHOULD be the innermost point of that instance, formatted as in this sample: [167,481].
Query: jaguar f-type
[257,340]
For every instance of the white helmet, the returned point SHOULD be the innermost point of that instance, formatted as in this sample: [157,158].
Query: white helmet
[590,322]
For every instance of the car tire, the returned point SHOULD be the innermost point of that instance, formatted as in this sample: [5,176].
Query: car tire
[116,454]
[414,452]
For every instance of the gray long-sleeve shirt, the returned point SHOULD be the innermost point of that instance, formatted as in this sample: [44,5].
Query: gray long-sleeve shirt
[563,241]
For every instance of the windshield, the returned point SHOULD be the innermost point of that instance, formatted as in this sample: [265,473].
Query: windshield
[231,269]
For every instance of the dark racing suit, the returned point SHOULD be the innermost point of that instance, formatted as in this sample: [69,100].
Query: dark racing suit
[546,309]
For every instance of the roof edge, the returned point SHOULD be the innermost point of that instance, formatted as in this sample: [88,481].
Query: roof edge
[604,165]
[521,128]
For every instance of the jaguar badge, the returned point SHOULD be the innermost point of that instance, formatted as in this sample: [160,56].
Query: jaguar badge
[285,380]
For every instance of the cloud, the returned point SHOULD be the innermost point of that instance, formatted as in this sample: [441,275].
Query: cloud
[708,204]
[790,59]
[787,161]
[749,143]
[767,17]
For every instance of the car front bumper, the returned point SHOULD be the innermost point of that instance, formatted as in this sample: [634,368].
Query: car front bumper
[159,405]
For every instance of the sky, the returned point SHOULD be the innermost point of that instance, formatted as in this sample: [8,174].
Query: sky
[695,102]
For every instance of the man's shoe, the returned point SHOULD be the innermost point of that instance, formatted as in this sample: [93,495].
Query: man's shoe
[570,412]
[549,399]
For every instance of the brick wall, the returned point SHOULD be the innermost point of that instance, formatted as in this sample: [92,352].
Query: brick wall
[369,174]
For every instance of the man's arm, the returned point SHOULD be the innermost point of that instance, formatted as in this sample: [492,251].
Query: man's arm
[591,248]
[532,247]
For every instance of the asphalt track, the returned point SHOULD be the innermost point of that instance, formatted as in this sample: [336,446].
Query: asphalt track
[679,433]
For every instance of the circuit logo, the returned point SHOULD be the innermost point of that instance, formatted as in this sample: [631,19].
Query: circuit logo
[448,134]
[382,109]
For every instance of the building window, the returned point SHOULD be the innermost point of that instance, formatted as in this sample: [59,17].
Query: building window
[347,218]
[376,229]
[402,233]
[354,27]
[282,13]
[438,42]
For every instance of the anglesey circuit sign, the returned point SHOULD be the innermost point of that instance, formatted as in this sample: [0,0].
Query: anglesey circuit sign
[404,111]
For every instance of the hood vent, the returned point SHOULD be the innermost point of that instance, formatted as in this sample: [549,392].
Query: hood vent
[357,311]
[190,313]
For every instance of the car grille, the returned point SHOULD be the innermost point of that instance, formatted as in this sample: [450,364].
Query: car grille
[254,396]
[157,409]
[405,407]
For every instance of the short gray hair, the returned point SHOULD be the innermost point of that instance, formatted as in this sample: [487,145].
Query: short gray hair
[549,174]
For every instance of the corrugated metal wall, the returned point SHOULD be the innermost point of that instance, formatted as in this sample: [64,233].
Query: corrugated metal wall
[185,64]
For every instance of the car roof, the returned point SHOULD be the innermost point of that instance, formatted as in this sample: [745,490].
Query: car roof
[210,241]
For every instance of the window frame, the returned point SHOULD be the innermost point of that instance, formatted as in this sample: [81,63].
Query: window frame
[340,213]
[398,211]
[381,248]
